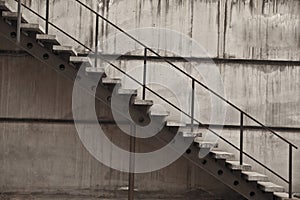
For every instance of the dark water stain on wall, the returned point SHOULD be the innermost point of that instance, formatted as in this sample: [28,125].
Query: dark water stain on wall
[27,2]
[192,19]
[158,7]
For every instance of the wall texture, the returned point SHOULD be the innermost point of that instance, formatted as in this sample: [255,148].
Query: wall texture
[41,154]
[246,29]
[47,158]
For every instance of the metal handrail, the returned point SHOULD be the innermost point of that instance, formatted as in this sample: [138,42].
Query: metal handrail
[185,73]
[291,145]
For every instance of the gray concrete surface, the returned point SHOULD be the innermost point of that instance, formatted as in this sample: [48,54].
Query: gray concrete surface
[47,159]
[252,29]
[39,157]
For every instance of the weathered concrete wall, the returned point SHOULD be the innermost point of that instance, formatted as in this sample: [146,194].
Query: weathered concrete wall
[250,29]
[270,93]
[53,152]
[269,150]
[267,92]
[48,158]
[246,29]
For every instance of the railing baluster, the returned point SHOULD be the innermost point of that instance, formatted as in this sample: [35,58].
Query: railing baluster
[290,171]
[132,144]
[47,17]
[96,40]
[144,73]
[146,48]
[241,137]
[19,22]
[193,105]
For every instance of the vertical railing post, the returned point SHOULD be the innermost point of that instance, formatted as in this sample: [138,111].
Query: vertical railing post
[131,162]
[47,17]
[145,73]
[241,138]
[290,171]
[193,105]
[96,40]
[19,21]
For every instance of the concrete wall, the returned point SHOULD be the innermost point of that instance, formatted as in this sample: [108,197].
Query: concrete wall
[246,29]
[268,92]
[41,154]
[250,29]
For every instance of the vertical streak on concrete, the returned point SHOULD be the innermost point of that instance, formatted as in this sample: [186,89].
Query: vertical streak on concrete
[225,28]
[218,23]
[107,16]
[222,21]
[192,18]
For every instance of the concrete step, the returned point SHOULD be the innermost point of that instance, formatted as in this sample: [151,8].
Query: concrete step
[4,6]
[207,145]
[123,91]
[222,155]
[188,133]
[254,176]
[64,50]
[49,39]
[270,187]
[12,16]
[281,196]
[32,28]
[171,123]
[139,102]
[235,165]
[94,70]
[111,81]
[159,114]
[81,60]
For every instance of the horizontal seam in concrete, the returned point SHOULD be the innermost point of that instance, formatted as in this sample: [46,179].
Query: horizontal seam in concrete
[108,121]
[179,59]
[205,59]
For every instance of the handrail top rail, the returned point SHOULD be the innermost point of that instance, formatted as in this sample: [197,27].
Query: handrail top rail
[224,139]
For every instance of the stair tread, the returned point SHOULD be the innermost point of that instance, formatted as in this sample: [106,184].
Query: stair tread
[4,6]
[281,194]
[80,59]
[222,155]
[64,49]
[113,81]
[189,133]
[237,166]
[12,16]
[47,38]
[254,176]
[270,187]
[159,113]
[140,102]
[94,70]
[209,145]
[172,123]
[123,91]
[31,27]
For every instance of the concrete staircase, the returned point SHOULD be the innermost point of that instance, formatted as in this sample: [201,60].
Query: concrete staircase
[64,59]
